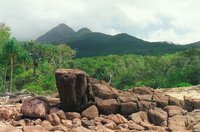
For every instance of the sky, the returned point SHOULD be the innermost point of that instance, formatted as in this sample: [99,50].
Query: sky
[174,21]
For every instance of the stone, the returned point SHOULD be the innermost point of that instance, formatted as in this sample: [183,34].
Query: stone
[111,125]
[161,99]
[196,128]
[9,129]
[87,123]
[38,122]
[34,129]
[61,114]
[145,105]
[53,118]
[127,97]
[127,108]
[76,121]
[143,90]
[147,97]
[109,106]
[72,115]
[46,123]
[72,86]
[19,123]
[196,103]
[5,113]
[118,119]
[36,107]
[68,123]
[104,91]
[134,126]
[157,117]
[174,110]
[177,122]
[90,112]
[175,101]
[139,117]
[81,129]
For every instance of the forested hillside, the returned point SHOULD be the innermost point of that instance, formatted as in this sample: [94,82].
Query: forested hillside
[90,44]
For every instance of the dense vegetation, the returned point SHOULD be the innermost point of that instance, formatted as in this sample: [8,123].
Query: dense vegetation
[90,44]
[31,65]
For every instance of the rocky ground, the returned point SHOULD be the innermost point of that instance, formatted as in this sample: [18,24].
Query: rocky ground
[95,106]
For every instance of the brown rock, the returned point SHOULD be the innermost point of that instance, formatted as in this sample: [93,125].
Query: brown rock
[161,99]
[90,112]
[9,129]
[175,101]
[87,123]
[61,114]
[157,117]
[134,126]
[54,110]
[35,107]
[127,108]
[107,106]
[81,129]
[147,97]
[118,119]
[34,129]
[111,125]
[174,110]
[143,90]
[76,121]
[146,105]
[139,117]
[5,113]
[177,122]
[196,128]
[72,115]
[72,86]
[19,123]
[196,103]
[101,128]
[104,91]
[148,126]
[68,123]
[46,123]
[53,119]
[38,122]
[127,97]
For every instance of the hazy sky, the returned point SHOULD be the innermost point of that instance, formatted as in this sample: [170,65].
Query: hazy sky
[175,21]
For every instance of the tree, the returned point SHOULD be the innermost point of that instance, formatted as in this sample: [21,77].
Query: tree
[16,55]
[4,34]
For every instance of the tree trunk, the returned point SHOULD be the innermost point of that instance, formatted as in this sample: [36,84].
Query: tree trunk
[11,74]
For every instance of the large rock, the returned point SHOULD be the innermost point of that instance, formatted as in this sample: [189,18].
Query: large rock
[127,108]
[73,88]
[139,117]
[104,91]
[157,117]
[90,112]
[118,119]
[177,122]
[174,110]
[34,129]
[109,106]
[35,107]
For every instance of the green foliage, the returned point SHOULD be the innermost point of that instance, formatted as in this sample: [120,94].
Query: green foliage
[182,84]
[128,71]
[4,34]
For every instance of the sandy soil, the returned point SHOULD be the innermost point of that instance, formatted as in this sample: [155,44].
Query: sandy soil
[192,91]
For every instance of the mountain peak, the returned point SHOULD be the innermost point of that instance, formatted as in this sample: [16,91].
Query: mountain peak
[84,30]
[57,33]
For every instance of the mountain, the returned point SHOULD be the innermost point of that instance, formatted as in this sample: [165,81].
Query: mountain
[89,44]
[57,33]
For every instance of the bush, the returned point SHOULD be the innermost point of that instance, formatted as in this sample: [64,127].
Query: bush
[182,84]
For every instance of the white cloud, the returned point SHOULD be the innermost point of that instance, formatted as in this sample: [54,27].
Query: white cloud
[29,19]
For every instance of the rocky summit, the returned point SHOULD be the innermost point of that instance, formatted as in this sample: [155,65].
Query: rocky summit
[90,105]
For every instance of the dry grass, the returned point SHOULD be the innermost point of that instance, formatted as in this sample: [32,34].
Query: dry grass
[192,91]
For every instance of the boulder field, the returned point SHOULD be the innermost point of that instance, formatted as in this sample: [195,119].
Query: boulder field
[89,105]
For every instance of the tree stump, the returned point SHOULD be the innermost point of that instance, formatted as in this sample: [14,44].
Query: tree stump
[72,86]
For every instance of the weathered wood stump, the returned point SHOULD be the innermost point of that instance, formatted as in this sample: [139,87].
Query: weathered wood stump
[73,88]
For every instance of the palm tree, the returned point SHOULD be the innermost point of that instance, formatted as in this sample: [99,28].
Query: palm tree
[16,56]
